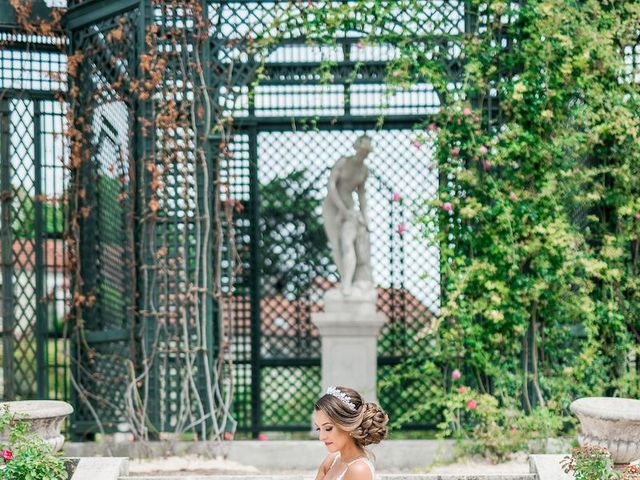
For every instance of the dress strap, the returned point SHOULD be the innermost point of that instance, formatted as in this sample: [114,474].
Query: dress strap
[365,459]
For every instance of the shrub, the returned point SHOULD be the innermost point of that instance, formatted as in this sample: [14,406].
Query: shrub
[27,456]
[537,213]
[483,426]
[591,462]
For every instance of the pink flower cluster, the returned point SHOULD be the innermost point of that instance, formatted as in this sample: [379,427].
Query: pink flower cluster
[471,404]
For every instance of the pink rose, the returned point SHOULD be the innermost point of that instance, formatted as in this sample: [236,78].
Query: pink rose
[7,455]
[396,197]
[466,112]
[432,127]
[472,404]
[416,143]
[513,197]
[486,164]
[359,45]
[514,430]
[483,150]
[401,228]
[262,437]
[455,375]
[447,207]
[455,151]
[638,216]
[462,389]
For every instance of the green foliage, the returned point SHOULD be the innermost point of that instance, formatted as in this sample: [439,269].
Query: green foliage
[294,244]
[594,463]
[589,463]
[23,224]
[523,260]
[32,458]
[484,426]
[537,217]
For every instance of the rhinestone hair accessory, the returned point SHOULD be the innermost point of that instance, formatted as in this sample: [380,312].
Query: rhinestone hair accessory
[334,392]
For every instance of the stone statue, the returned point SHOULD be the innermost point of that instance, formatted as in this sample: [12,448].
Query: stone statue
[347,227]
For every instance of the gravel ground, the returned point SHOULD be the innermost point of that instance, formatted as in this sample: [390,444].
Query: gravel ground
[517,463]
[194,465]
[187,465]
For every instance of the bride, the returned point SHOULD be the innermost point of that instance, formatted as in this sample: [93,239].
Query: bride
[347,425]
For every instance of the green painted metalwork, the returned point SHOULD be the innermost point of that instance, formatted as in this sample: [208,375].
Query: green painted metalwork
[288,131]
[39,9]
[285,141]
[7,254]
[102,349]
[33,276]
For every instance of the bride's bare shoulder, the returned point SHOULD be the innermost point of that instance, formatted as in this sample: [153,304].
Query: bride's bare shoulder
[359,471]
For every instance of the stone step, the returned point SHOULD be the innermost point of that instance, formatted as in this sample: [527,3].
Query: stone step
[380,476]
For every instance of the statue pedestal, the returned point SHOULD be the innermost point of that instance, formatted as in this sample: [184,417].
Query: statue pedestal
[349,328]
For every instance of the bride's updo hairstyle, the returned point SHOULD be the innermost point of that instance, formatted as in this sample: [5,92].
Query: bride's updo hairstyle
[365,422]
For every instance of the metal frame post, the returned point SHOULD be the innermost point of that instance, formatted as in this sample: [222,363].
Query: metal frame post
[8,314]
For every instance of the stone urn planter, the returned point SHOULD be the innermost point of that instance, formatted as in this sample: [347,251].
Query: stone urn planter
[613,423]
[44,418]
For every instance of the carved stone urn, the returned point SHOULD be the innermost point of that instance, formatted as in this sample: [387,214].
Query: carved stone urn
[613,423]
[44,418]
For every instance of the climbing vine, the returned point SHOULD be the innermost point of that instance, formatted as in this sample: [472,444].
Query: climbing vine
[537,216]
[174,195]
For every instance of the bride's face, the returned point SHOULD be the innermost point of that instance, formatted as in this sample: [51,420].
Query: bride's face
[331,435]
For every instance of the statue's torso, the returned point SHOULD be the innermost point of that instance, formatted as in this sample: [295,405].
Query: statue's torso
[351,174]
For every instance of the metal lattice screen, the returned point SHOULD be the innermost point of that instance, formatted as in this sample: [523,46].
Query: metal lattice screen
[103,198]
[33,182]
[286,140]
[295,267]
[288,137]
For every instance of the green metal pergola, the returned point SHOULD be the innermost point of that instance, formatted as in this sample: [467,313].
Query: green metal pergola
[288,129]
